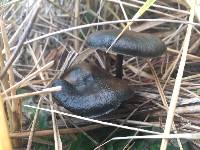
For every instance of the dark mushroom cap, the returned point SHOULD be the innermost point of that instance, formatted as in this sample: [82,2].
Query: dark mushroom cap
[91,91]
[130,43]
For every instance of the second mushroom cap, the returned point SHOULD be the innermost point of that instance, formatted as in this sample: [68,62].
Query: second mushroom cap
[130,43]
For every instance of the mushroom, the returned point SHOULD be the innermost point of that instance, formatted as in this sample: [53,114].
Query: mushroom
[90,91]
[130,43]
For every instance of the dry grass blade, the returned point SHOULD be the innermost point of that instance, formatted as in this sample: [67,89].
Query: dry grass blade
[42,92]
[177,85]
[189,56]
[95,121]
[141,73]
[76,23]
[57,139]
[107,23]
[5,142]
[163,98]
[169,136]
[140,12]
[15,123]
[30,135]
[9,3]
[29,77]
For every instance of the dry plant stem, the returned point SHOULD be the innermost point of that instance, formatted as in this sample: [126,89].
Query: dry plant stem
[189,56]
[42,141]
[106,23]
[36,61]
[197,8]
[8,103]
[123,10]
[149,10]
[20,28]
[163,98]
[35,117]
[8,3]
[58,144]
[114,15]
[33,126]
[161,92]
[29,77]
[15,119]
[164,7]
[127,118]
[57,139]
[80,130]
[127,147]
[21,40]
[141,123]
[43,92]
[51,132]
[190,92]
[95,121]
[76,23]
[138,71]
[170,70]
[169,136]
[8,54]
[177,85]
[5,143]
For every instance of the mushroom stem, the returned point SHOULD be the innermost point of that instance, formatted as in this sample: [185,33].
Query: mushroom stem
[119,69]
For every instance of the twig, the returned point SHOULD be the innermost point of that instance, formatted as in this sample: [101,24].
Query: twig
[51,132]
[44,91]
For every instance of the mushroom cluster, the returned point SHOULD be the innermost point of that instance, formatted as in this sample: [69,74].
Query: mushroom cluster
[90,91]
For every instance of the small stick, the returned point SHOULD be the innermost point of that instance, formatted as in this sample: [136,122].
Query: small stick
[44,91]
[51,132]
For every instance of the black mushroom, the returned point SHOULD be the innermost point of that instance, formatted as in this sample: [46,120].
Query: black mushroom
[130,43]
[90,91]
